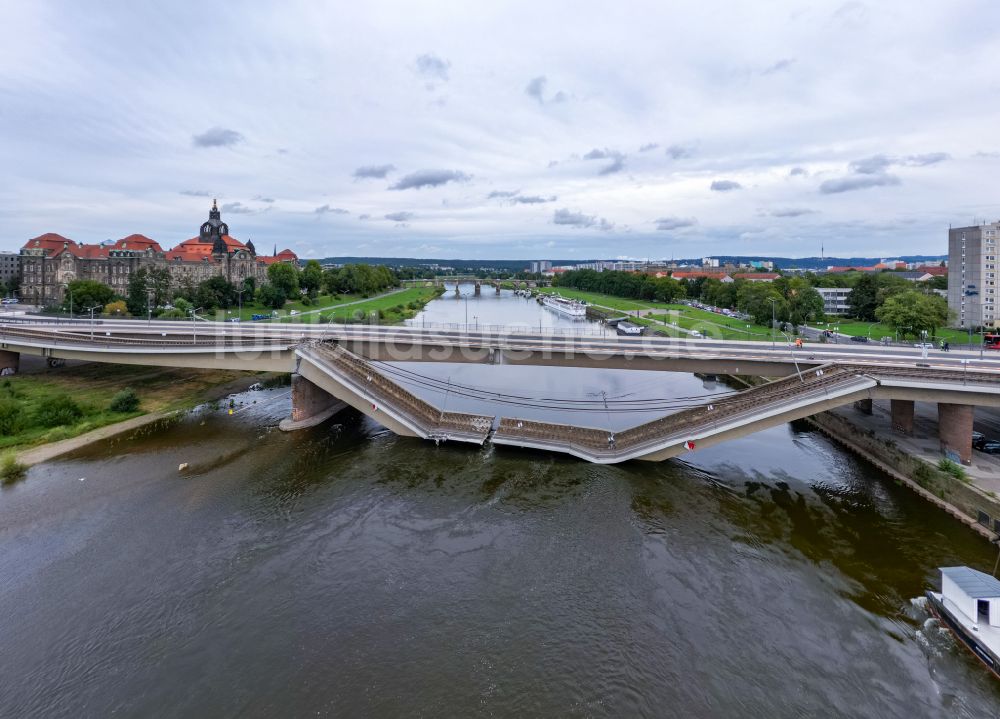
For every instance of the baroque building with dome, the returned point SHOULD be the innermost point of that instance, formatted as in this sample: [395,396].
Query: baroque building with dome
[50,262]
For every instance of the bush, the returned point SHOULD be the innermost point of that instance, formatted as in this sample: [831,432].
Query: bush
[125,401]
[12,419]
[57,410]
[10,469]
[955,470]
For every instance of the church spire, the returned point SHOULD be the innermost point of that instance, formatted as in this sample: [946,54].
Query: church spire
[214,213]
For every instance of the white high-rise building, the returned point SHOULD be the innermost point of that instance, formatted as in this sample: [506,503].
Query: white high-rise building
[972,274]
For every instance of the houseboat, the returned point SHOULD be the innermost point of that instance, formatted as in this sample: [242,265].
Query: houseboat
[969,605]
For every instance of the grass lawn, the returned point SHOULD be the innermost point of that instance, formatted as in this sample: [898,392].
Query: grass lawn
[92,386]
[878,331]
[616,303]
[395,308]
[714,325]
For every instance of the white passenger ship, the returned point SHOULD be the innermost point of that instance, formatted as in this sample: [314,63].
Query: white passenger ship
[570,308]
[969,605]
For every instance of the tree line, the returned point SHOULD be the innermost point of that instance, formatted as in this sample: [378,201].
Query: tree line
[150,290]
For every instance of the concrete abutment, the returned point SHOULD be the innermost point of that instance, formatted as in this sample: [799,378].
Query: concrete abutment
[311,405]
[9,361]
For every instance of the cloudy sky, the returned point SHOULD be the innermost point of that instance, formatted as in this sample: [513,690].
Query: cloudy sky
[506,129]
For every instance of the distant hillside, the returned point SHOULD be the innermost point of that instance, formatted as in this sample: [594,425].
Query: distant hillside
[813,263]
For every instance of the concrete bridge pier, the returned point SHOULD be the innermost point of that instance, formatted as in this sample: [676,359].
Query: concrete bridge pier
[902,415]
[10,360]
[457,293]
[497,285]
[479,288]
[311,405]
[955,429]
[864,406]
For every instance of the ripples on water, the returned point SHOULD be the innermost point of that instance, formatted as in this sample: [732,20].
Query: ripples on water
[343,571]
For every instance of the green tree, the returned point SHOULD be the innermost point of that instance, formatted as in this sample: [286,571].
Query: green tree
[863,298]
[271,296]
[757,299]
[148,288]
[87,293]
[311,278]
[215,292]
[804,304]
[912,312]
[285,277]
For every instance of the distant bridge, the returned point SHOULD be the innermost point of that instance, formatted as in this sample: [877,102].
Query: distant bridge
[337,365]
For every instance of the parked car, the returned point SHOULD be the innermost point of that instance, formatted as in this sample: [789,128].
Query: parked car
[9,301]
[978,440]
[859,338]
[991,447]
[694,333]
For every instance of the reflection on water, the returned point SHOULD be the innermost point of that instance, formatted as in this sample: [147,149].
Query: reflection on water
[344,571]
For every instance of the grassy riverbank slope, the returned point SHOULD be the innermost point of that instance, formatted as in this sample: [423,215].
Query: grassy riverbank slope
[57,404]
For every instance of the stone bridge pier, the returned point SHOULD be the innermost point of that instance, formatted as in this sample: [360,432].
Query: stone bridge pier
[902,411]
[311,405]
[9,361]
[955,429]
[479,288]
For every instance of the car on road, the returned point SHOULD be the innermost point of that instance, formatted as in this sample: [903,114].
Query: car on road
[859,338]
[695,333]
[978,440]
[9,301]
[991,447]
[922,345]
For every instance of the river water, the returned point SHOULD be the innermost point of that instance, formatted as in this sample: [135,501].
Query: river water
[344,571]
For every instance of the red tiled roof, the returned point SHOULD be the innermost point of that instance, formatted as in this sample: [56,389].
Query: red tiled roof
[139,243]
[935,271]
[187,255]
[50,241]
[196,245]
[694,274]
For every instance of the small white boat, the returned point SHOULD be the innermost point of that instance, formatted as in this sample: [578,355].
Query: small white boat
[969,605]
[628,329]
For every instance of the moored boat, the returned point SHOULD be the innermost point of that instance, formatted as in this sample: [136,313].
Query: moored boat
[628,329]
[969,605]
[562,305]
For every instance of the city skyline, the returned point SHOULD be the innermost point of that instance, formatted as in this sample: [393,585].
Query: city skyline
[372,131]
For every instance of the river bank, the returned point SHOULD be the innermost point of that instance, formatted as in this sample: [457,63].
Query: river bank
[969,497]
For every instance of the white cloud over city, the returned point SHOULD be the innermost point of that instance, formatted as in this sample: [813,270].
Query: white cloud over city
[515,130]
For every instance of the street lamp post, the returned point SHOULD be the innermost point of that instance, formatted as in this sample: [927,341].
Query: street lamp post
[91,310]
[773,300]
[70,290]
[194,324]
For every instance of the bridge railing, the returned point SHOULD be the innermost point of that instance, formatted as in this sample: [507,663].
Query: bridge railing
[364,376]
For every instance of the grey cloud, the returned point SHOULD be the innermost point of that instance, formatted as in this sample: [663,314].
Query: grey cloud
[560,96]
[726,185]
[649,146]
[675,223]
[268,200]
[195,193]
[579,220]
[432,66]
[532,199]
[779,66]
[365,216]
[617,165]
[331,210]
[501,194]
[375,172]
[680,152]
[617,160]
[552,163]
[400,216]
[217,137]
[797,171]
[536,88]
[987,154]
[858,182]
[931,158]
[791,212]
[429,178]
[871,165]
[237,208]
